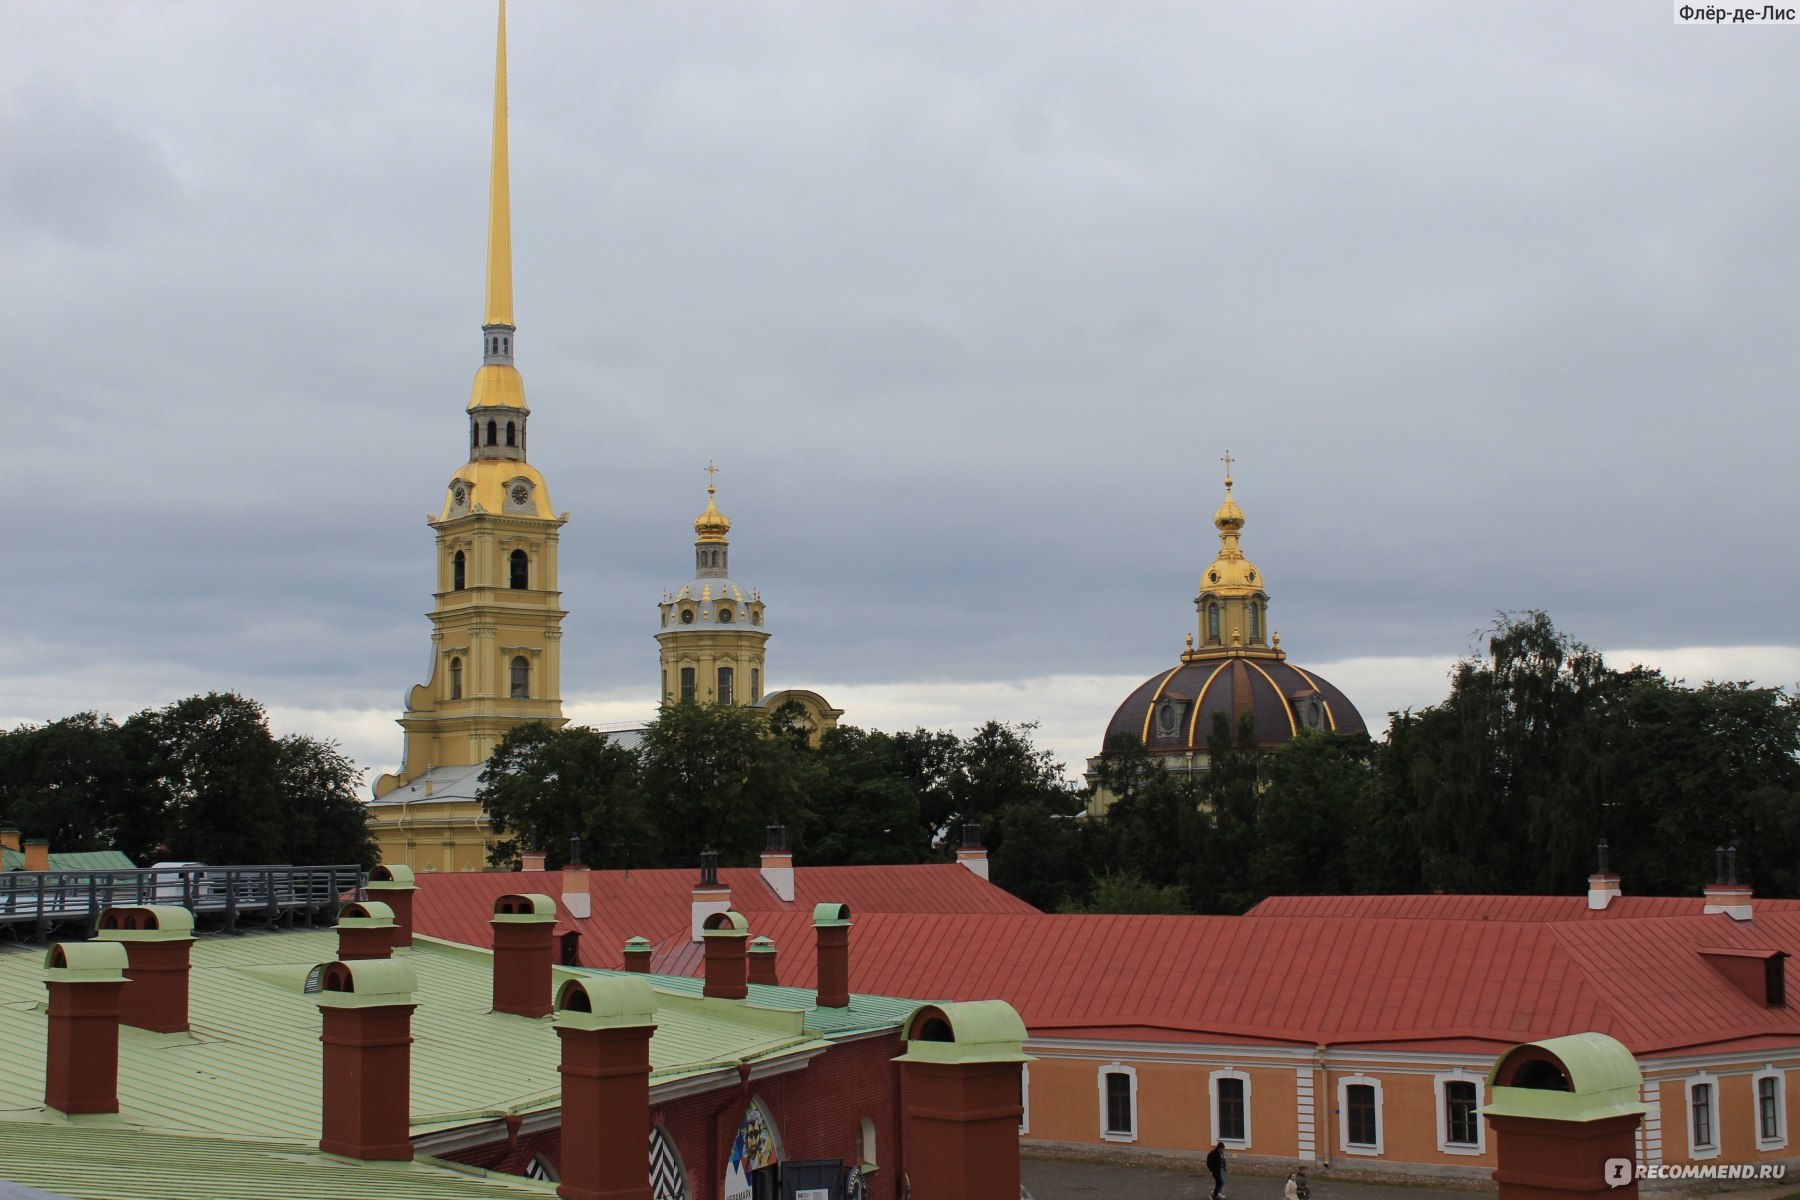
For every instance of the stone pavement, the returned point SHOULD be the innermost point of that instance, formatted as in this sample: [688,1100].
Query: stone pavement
[1074,1179]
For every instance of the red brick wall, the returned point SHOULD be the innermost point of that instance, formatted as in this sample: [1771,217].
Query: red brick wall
[817,1111]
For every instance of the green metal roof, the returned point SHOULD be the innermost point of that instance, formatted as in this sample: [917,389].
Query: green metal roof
[73,860]
[250,1068]
[865,1014]
[92,1163]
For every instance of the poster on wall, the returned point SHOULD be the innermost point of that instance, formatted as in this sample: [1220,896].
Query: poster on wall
[754,1147]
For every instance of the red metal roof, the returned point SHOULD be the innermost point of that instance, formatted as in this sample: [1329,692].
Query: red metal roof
[1437,972]
[1494,908]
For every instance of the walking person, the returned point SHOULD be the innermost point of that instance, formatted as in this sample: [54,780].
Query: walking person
[1215,1164]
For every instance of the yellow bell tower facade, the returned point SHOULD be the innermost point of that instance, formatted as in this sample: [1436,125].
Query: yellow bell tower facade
[497,618]
[712,633]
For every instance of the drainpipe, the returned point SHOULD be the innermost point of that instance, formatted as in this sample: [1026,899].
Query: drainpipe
[1323,1099]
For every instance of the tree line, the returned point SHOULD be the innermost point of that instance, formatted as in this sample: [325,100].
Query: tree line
[199,780]
[1539,751]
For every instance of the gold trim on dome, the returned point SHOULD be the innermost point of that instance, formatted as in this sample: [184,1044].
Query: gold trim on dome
[712,525]
[1293,726]
[1144,738]
[1323,699]
[1194,721]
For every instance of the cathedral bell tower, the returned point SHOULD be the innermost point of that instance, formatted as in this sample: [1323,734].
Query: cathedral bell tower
[497,618]
[712,634]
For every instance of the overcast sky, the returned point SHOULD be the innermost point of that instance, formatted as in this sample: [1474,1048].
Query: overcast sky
[1493,304]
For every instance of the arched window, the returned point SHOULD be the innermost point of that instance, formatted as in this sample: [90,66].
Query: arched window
[687,683]
[725,681]
[1255,623]
[521,570]
[865,1143]
[512,434]
[474,436]
[458,572]
[521,678]
[456,679]
[1212,622]
[506,344]
[755,684]
[493,431]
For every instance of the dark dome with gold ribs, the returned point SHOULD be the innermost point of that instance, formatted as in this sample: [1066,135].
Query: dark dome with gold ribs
[1236,667]
[1172,711]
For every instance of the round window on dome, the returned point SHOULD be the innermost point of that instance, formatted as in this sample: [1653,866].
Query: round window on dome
[725,616]
[687,616]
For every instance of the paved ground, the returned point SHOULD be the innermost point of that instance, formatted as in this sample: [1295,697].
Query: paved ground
[1064,1179]
[1060,1179]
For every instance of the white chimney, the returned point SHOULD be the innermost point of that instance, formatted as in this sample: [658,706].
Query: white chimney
[778,863]
[1603,885]
[1725,894]
[972,854]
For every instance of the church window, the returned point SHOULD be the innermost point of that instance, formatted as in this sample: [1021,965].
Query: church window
[725,674]
[1212,622]
[493,431]
[755,684]
[474,436]
[521,678]
[506,344]
[1255,623]
[456,679]
[458,572]
[687,682]
[512,434]
[687,616]
[725,616]
[521,570]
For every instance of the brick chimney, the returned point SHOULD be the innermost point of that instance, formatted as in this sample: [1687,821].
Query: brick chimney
[1725,894]
[524,948]
[37,855]
[531,860]
[972,854]
[762,962]
[710,896]
[9,839]
[365,930]
[159,943]
[1603,885]
[393,886]
[86,981]
[604,1025]
[961,1083]
[637,956]
[831,924]
[726,970]
[367,1010]
[777,863]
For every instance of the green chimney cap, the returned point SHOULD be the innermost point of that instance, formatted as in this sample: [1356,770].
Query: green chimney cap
[1581,1077]
[386,878]
[365,983]
[979,1031]
[831,914]
[606,1002]
[724,924]
[146,923]
[85,962]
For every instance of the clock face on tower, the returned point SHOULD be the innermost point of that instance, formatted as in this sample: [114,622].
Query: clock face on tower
[459,496]
[520,493]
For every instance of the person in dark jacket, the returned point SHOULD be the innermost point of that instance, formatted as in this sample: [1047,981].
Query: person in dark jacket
[1215,1163]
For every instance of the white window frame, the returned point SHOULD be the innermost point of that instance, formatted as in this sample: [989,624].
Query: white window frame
[1131,1074]
[1343,1124]
[1024,1097]
[1779,1141]
[865,1151]
[1212,1095]
[1711,1083]
[1438,1082]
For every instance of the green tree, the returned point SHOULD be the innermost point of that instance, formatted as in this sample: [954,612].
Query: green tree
[326,820]
[70,781]
[716,775]
[215,773]
[545,786]
[1306,813]
[1128,892]
[1232,788]
[863,807]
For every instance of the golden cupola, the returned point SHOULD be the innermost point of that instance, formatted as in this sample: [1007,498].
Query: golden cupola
[712,525]
[1232,605]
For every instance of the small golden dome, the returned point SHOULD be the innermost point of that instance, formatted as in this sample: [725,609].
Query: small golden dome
[1230,573]
[712,525]
[1229,518]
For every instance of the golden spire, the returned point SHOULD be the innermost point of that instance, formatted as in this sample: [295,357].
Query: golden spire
[497,382]
[1231,572]
[712,525]
[499,263]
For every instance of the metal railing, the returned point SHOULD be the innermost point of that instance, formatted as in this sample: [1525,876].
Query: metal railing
[266,895]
